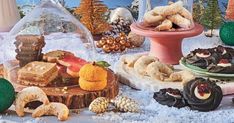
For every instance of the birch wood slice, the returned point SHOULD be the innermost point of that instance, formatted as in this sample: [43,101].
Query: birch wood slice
[73,96]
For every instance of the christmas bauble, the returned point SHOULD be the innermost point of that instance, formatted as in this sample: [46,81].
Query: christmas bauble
[227,33]
[7,94]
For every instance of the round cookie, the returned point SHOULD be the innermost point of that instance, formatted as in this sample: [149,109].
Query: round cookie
[170,97]
[202,94]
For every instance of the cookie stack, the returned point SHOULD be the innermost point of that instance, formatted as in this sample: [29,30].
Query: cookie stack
[29,48]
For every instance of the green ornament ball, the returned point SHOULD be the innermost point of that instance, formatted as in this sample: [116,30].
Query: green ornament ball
[7,94]
[226,33]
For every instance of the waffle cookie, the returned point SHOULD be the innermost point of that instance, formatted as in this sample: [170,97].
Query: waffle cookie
[37,73]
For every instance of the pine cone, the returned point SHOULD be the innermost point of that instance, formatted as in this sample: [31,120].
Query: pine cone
[99,105]
[125,104]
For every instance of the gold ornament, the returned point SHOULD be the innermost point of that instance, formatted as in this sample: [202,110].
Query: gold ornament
[102,42]
[106,48]
[125,104]
[110,41]
[99,105]
[117,47]
[99,45]
[117,39]
[111,44]
[122,42]
[122,48]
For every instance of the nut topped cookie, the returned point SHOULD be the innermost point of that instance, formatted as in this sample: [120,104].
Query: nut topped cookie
[37,73]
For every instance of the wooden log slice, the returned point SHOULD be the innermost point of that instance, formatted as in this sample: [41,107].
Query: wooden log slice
[72,96]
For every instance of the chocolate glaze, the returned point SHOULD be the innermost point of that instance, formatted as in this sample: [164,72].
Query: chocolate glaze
[210,63]
[165,97]
[208,104]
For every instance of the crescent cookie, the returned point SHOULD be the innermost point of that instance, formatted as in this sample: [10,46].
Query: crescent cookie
[141,64]
[58,109]
[169,10]
[28,95]
[152,19]
[180,21]
[166,25]
[158,70]
[130,59]
[183,76]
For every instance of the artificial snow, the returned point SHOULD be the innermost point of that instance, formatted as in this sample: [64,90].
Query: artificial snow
[151,111]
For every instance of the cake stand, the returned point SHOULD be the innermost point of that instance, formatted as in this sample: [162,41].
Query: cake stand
[166,45]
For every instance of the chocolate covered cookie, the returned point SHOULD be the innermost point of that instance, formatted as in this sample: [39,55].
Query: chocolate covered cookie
[202,94]
[170,97]
[224,66]
[202,58]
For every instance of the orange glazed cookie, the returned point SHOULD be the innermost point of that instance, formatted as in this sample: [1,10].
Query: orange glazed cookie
[92,77]
[92,72]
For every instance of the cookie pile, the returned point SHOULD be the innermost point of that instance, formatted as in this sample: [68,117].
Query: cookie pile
[29,48]
[215,60]
[164,18]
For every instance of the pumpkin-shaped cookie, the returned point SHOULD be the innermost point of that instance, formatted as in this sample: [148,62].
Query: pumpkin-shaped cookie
[92,77]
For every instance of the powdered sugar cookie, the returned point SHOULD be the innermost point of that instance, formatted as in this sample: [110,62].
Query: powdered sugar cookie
[58,109]
[28,95]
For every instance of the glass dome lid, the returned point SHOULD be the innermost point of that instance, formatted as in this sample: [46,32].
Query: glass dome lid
[53,28]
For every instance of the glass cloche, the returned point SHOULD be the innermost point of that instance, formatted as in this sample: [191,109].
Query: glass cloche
[166,15]
[46,34]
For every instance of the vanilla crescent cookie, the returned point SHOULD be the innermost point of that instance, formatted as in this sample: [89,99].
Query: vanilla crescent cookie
[152,19]
[183,76]
[158,70]
[165,25]
[58,109]
[28,95]
[130,59]
[141,64]
[180,21]
[171,9]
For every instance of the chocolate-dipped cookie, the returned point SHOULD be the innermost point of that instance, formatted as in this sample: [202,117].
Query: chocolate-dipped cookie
[202,94]
[170,97]
[224,66]
[202,58]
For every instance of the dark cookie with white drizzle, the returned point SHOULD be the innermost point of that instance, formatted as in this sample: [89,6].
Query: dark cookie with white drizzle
[202,94]
[201,58]
[170,97]
[224,66]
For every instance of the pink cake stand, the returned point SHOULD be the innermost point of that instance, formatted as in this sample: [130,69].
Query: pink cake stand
[166,45]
